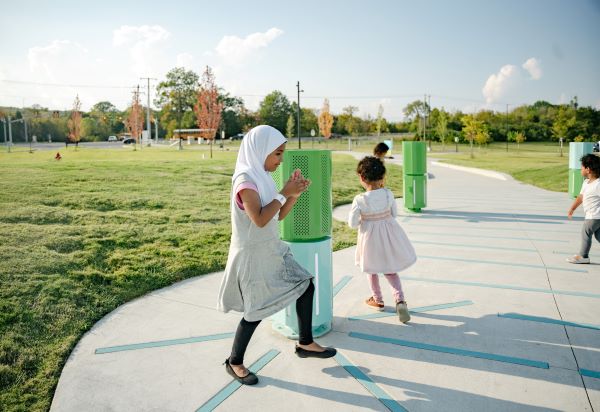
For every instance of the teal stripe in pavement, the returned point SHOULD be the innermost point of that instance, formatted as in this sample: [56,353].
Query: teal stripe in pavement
[368,383]
[453,244]
[160,343]
[548,320]
[414,310]
[224,393]
[494,262]
[343,282]
[487,237]
[451,350]
[496,286]
[590,373]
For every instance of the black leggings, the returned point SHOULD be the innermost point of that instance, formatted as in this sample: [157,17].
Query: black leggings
[245,329]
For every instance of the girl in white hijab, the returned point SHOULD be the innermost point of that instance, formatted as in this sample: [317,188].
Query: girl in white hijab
[261,277]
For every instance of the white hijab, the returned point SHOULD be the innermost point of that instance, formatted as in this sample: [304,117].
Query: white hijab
[259,143]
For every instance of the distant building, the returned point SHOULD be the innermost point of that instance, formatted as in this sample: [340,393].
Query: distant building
[190,133]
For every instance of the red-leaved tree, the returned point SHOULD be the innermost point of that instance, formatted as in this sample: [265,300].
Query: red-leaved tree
[208,108]
[74,123]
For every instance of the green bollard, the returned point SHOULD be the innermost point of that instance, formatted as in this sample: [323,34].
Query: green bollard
[307,230]
[414,165]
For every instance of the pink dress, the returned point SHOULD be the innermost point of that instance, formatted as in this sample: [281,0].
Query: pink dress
[382,245]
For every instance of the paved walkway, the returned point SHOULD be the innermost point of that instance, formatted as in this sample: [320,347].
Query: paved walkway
[501,322]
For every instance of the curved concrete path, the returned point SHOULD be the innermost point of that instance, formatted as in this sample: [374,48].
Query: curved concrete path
[501,323]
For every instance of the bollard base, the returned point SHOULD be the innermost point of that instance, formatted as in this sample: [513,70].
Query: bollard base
[288,332]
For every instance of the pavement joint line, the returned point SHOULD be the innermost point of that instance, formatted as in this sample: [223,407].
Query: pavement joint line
[487,237]
[369,384]
[512,249]
[590,373]
[491,228]
[161,343]
[494,262]
[452,350]
[234,385]
[414,310]
[540,319]
[156,296]
[497,286]
[340,285]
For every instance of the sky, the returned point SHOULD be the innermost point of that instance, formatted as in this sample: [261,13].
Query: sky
[465,55]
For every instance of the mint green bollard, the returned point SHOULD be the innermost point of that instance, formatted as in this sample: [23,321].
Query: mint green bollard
[576,151]
[307,230]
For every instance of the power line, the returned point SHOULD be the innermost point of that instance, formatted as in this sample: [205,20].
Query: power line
[65,85]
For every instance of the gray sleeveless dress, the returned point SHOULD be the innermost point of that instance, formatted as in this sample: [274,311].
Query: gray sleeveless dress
[261,276]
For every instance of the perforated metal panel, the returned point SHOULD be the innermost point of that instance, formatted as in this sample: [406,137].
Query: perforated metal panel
[310,219]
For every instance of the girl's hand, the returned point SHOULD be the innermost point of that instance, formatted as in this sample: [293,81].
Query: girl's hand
[295,185]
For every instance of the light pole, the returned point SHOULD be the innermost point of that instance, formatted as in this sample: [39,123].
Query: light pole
[299,91]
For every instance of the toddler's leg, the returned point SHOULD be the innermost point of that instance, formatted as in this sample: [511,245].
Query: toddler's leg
[394,281]
[375,288]
[596,229]
[587,231]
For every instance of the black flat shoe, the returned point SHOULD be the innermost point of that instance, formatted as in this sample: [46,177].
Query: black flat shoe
[249,379]
[327,353]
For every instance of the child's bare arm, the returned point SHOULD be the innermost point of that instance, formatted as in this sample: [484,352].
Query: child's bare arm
[575,205]
[258,214]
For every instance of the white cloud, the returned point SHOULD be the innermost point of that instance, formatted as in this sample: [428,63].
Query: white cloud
[235,50]
[43,58]
[185,60]
[532,65]
[499,84]
[144,43]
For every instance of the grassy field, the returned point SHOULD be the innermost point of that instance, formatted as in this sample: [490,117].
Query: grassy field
[85,234]
[539,164]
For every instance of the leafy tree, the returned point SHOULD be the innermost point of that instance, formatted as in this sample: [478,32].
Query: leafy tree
[565,119]
[325,120]
[291,126]
[441,126]
[474,130]
[75,122]
[176,96]
[274,110]
[416,112]
[208,107]
[518,137]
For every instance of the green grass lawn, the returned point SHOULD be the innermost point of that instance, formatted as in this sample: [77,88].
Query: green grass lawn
[86,234]
[538,164]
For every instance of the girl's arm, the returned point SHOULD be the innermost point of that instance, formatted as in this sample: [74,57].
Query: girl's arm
[394,207]
[258,214]
[289,204]
[261,215]
[354,216]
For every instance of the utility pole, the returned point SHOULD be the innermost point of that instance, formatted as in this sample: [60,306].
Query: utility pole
[148,108]
[299,91]
[428,113]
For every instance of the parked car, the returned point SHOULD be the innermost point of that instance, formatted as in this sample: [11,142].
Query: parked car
[238,136]
[596,147]
[129,140]
[113,139]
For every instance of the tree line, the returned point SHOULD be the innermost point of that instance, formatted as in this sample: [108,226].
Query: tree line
[177,100]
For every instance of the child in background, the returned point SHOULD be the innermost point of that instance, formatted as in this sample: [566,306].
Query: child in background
[590,197]
[382,245]
[380,151]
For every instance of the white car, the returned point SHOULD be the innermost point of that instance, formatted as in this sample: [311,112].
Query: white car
[113,139]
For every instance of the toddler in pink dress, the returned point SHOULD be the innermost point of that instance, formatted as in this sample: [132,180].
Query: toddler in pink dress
[382,245]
